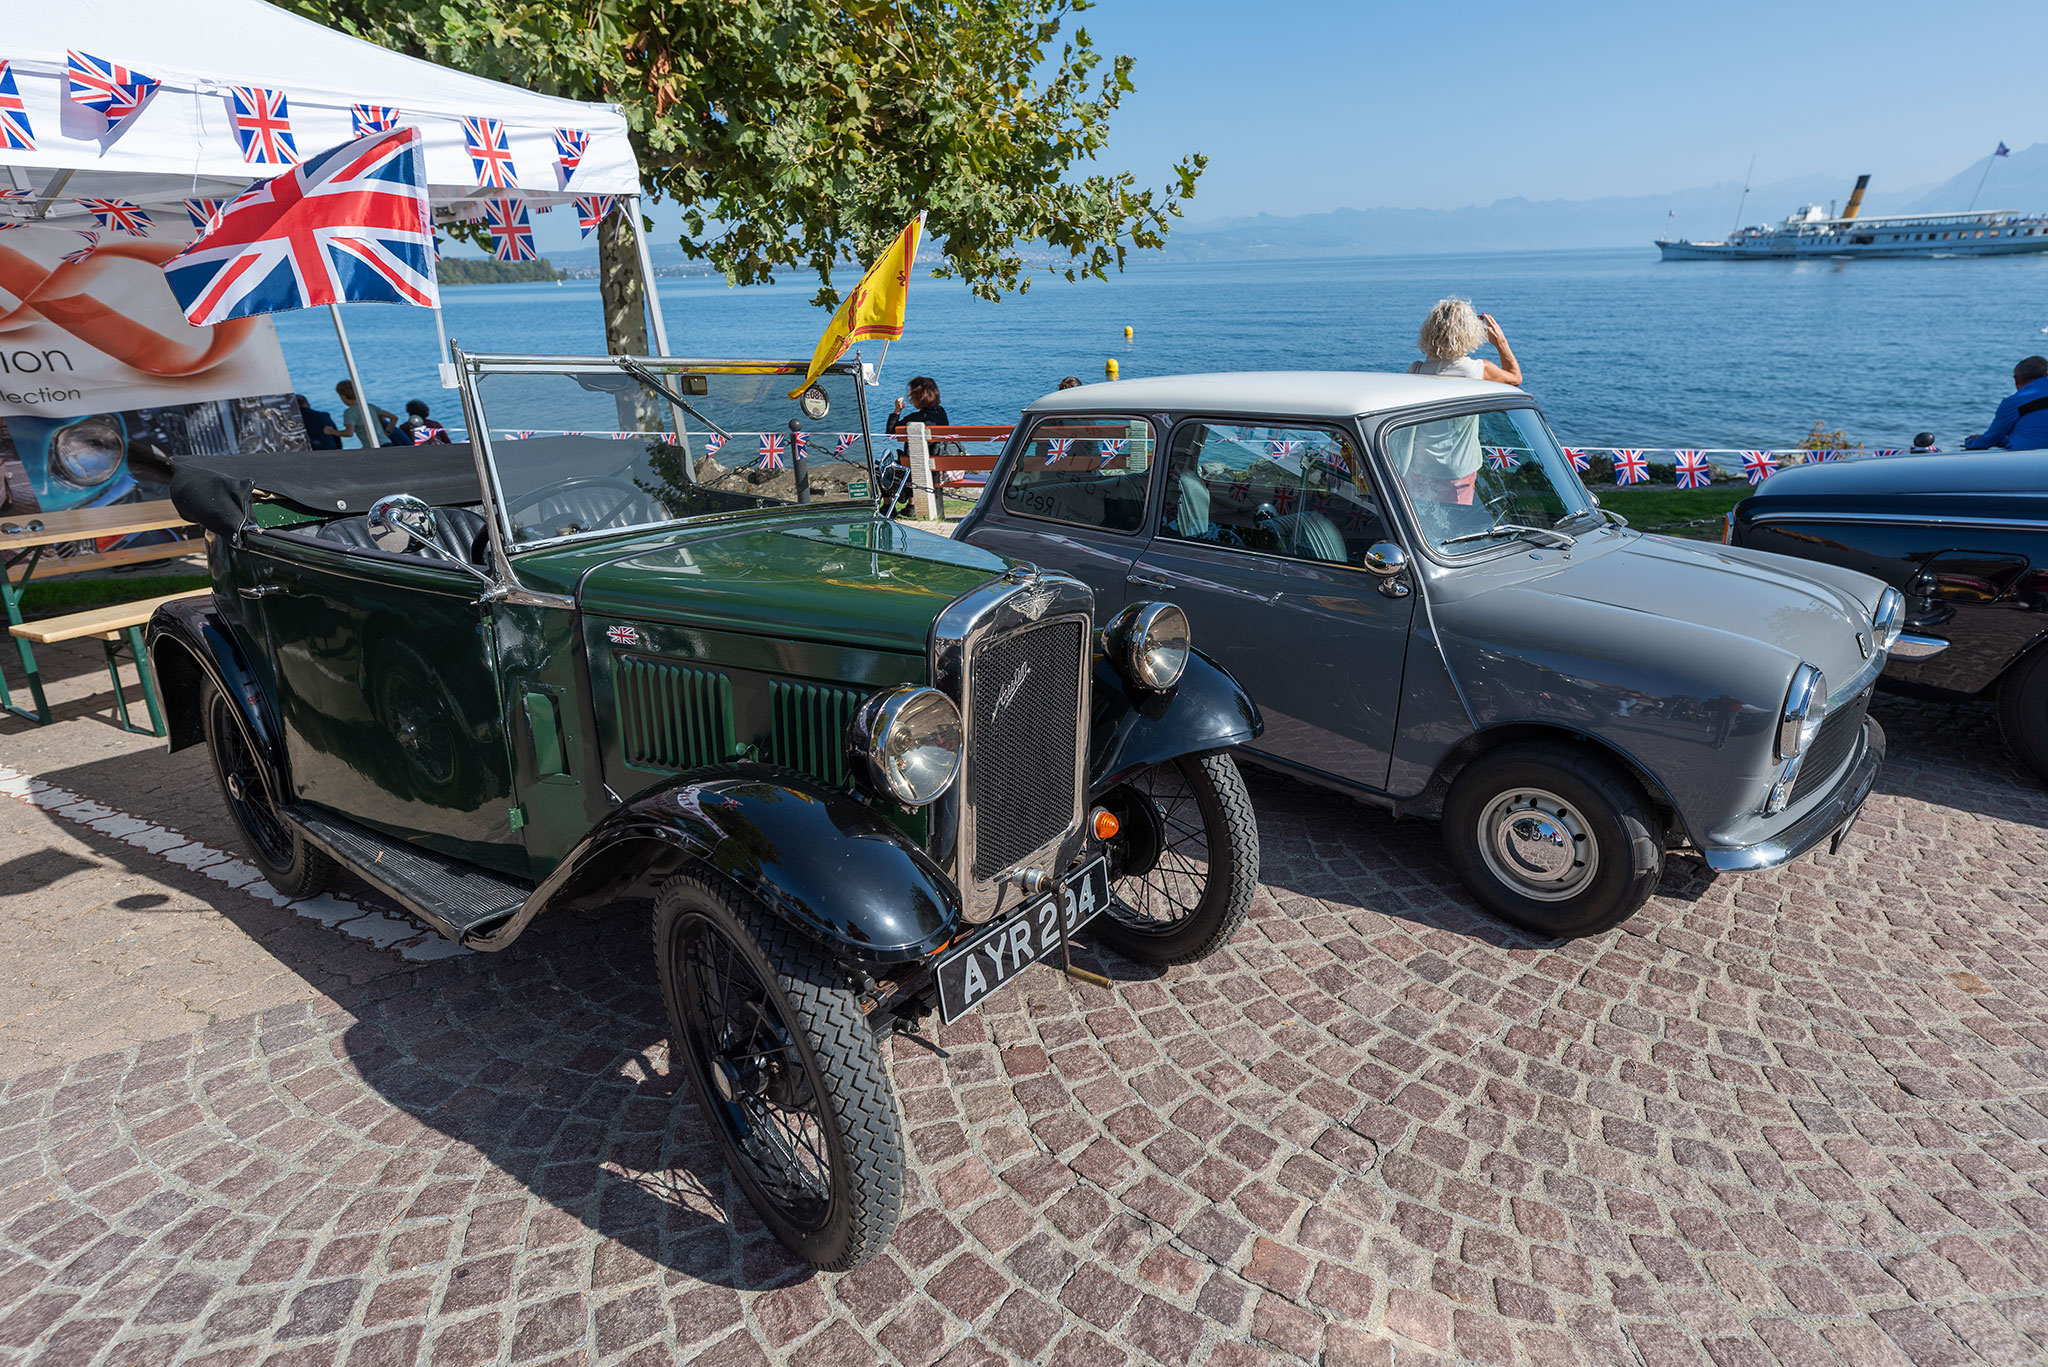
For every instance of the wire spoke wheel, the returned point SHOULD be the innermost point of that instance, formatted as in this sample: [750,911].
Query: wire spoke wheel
[291,865]
[1171,889]
[1185,864]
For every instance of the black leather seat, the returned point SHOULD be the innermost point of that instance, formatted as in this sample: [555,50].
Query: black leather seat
[460,532]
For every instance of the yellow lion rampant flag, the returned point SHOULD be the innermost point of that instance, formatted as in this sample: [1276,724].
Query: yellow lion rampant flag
[874,309]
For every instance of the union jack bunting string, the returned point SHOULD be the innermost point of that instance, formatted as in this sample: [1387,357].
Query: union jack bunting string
[522,434]
[11,193]
[771,452]
[1283,499]
[1283,448]
[1889,451]
[570,145]
[203,212]
[372,118]
[263,125]
[1758,466]
[1113,448]
[1501,458]
[1693,470]
[1241,491]
[1057,449]
[1333,461]
[490,153]
[713,444]
[1578,457]
[800,444]
[109,90]
[15,133]
[1822,456]
[1629,466]
[92,244]
[591,210]
[846,442]
[511,230]
[118,215]
[352,223]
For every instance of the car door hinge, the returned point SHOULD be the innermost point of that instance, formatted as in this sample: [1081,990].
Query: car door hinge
[516,818]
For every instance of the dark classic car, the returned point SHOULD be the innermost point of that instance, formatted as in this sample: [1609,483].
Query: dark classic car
[1965,539]
[1435,614]
[673,654]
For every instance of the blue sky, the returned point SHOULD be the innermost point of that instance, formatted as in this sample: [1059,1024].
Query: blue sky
[1318,104]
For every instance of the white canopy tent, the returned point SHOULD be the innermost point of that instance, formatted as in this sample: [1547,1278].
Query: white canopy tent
[182,143]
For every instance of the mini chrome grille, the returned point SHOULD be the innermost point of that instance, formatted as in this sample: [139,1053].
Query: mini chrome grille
[1832,746]
[1027,714]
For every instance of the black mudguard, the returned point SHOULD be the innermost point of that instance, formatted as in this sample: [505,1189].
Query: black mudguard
[1135,728]
[816,856]
[190,644]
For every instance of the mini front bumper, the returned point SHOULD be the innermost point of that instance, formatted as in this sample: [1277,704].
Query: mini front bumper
[1830,817]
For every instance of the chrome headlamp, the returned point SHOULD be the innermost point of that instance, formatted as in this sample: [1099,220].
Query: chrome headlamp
[1150,644]
[1806,705]
[1889,619]
[908,740]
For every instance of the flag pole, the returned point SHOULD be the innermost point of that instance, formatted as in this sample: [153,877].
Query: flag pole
[1981,179]
[348,359]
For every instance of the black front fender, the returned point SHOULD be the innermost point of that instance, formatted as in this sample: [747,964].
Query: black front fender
[1133,728]
[190,646]
[810,854]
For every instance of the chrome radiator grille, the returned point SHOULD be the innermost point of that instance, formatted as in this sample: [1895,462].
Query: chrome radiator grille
[1026,719]
[1832,746]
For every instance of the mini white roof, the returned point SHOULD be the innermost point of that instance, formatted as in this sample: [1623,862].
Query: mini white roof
[1276,393]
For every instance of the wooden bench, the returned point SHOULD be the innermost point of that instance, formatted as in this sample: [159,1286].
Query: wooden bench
[105,560]
[112,626]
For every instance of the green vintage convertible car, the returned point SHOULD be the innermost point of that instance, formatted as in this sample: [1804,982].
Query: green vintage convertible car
[648,638]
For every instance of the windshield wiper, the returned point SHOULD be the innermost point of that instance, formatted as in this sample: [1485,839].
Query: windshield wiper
[654,382]
[1516,529]
[1606,515]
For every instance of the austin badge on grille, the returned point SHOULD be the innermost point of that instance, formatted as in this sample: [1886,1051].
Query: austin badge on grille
[1013,687]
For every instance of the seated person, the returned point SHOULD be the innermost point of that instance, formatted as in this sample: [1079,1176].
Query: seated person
[2021,423]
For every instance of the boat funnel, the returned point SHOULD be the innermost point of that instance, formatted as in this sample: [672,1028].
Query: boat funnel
[1856,198]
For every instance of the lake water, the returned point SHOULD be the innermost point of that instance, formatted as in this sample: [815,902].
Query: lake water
[1622,349]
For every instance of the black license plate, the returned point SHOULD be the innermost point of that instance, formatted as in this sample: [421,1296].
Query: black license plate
[1010,946]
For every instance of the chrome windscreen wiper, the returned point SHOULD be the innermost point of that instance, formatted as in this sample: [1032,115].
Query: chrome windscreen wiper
[654,382]
[1555,537]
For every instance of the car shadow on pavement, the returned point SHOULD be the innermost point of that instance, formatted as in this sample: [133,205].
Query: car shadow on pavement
[1951,754]
[74,678]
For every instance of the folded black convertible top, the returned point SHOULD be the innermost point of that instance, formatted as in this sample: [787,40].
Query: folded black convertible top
[216,491]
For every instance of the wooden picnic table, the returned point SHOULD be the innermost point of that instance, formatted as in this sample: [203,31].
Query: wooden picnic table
[25,536]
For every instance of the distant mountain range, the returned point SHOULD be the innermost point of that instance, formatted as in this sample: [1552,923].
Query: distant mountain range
[2019,181]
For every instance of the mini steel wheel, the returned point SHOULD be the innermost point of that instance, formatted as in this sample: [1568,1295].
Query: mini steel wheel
[783,1063]
[1184,863]
[1553,838]
[292,864]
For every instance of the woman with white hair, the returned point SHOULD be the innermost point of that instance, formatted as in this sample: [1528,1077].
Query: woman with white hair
[1439,461]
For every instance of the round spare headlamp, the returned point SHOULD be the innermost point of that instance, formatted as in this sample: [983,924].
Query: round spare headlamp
[1153,643]
[1889,619]
[1806,706]
[88,453]
[908,739]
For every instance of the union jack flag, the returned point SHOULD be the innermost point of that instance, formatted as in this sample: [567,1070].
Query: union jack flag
[1241,491]
[1113,448]
[626,436]
[113,92]
[1283,449]
[511,230]
[263,125]
[1501,458]
[1057,449]
[1283,499]
[1888,451]
[120,216]
[592,210]
[203,212]
[1758,466]
[490,154]
[1333,460]
[1822,456]
[1578,457]
[92,244]
[372,118]
[1318,502]
[800,444]
[570,145]
[15,134]
[521,434]
[1629,466]
[353,223]
[847,441]
[771,451]
[1693,470]
[11,193]
[713,444]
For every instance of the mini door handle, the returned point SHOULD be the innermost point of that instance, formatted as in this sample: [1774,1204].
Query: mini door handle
[259,590]
[1148,581]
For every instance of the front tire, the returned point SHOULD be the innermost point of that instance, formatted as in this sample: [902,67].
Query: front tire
[786,1069]
[1185,864]
[1553,838]
[291,863]
[2023,712]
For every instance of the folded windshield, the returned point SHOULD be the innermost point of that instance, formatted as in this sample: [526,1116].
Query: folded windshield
[602,446]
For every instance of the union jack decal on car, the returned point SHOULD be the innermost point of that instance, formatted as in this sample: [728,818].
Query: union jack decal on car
[623,636]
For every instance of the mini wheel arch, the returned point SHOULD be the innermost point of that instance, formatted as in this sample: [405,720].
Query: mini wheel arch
[1429,803]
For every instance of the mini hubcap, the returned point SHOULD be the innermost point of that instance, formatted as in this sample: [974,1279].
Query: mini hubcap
[1538,844]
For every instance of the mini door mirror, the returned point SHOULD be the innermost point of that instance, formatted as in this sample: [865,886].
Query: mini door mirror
[1385,559]
[398,520]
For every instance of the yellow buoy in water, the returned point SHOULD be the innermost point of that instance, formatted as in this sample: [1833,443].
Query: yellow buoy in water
[1128,334]
[1109,367]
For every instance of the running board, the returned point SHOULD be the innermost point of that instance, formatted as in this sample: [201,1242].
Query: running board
[459,900]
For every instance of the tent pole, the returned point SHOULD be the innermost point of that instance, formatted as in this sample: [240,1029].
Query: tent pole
[647,280]
[444,366]
[348,358]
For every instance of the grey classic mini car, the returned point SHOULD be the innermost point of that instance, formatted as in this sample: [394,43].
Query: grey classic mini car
[1434,613]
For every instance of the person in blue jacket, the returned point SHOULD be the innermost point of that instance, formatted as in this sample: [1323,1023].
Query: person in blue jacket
[2021,423]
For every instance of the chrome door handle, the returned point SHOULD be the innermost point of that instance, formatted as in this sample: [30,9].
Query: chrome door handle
[1147,581]
[259,590]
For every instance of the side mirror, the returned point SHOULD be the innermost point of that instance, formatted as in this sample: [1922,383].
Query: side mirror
[1383,558]
[398,520]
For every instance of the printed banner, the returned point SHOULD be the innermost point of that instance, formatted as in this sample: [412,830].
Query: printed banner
[88,325]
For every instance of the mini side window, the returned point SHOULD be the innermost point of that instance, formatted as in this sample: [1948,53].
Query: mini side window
[1088,472]
[1290,491]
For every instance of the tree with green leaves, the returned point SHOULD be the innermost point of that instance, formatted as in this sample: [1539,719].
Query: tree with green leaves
[801,133]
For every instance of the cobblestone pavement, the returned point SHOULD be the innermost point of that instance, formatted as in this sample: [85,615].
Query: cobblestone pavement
[1791,1118]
